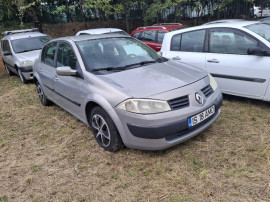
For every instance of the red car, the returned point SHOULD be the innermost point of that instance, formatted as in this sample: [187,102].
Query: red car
[153,35]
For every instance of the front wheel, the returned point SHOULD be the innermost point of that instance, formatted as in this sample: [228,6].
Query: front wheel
[44,100]
[10,73]
[23,80]
[105,130]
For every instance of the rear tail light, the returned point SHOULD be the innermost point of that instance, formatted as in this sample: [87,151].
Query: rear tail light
[260,11]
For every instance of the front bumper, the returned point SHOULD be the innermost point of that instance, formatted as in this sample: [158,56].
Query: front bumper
[164,130]
[27,72]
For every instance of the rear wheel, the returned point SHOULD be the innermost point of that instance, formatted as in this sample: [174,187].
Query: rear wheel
[105,130]
[23,80]
[44,100]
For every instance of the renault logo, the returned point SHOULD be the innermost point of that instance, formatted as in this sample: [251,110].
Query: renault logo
[199,98]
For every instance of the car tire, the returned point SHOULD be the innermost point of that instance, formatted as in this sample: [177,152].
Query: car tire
[23,80]
[104,130]
[10,73]
[44,100]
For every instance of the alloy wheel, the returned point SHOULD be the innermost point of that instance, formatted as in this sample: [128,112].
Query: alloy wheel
[101,130]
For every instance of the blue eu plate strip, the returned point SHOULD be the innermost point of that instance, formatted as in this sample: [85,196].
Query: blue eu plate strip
[189,122]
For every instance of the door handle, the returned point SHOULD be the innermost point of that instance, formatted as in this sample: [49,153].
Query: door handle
[176,58]
[213,61]
[55,78]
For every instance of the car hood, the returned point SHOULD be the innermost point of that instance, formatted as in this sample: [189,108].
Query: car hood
[31,55]
[153,79]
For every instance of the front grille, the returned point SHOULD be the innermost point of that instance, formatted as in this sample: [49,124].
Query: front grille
[207,91]
[179,103]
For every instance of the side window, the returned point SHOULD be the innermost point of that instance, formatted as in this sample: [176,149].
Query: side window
[193,41]
[136,35]
[149,36]
[66,56]
[175,43]
[160,36]
[5,46]
[48,54]
[230,42]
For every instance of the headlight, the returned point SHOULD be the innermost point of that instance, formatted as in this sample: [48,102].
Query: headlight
[213,82]
[144,106]
[27,63]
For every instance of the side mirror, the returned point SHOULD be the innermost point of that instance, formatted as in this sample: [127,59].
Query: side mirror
[6,53]
[258,51]
[66,71]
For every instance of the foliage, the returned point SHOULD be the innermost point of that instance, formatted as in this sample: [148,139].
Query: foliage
[53,11]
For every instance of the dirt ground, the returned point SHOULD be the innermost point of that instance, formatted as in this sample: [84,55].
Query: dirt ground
[48,155]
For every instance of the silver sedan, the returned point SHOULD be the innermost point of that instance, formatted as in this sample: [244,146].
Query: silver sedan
[126,92]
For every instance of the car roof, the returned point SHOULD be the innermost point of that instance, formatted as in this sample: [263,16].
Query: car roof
[226,24]
[161,26]
[99,30]
[23,35]
[224,21]
[91,37]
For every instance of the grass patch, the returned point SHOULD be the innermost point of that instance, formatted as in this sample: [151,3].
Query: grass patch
[47,154]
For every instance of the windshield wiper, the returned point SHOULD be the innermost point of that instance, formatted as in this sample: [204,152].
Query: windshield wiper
[123,67]
[109,69]
[141,63]
[23,51]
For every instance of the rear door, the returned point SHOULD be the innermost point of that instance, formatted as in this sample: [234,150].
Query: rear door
[235,71]
[47,69]
[68,88]
[188,47]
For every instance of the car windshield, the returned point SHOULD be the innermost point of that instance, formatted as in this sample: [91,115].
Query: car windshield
[262,29]
[29,44]
[114,54]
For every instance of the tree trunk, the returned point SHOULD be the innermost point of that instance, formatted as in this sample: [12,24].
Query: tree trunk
[82,13]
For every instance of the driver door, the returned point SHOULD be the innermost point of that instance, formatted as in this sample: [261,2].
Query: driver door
[68,88]
[235,71]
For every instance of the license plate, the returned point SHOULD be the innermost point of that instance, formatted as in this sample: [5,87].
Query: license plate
[194,120]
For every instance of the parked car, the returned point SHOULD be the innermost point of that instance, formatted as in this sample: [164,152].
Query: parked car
[265,20]
[153,35]
[235,53]
[125,91]
[19,49]
[261,12]
[102,31]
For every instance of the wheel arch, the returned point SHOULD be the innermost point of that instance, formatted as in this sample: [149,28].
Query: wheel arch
[90,105]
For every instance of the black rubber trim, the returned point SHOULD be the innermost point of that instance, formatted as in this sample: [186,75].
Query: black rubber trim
[168,131]
[26,69]
[257,80]
[73,102]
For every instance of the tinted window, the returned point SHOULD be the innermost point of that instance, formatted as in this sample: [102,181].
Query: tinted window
[193,41]
[66,56]
[136,35]
[160,36]
[120,52]
[29,44]
[149,36]
[5,46]
[230,42]
[175,44]
[48,54]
